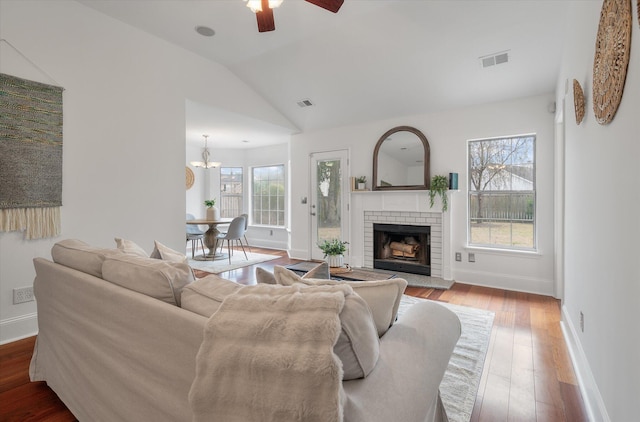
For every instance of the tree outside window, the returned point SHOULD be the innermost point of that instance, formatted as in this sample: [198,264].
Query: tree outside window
[268,200]
[502,192]
[230,192]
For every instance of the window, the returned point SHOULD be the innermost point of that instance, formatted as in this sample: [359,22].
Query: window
[230,192]
[267,205]
[502,192]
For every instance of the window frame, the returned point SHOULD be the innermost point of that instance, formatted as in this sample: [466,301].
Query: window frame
[223,195]
[511,193]
[252,202]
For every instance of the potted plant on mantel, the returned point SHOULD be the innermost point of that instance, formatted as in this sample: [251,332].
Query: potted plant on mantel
[361,182]
[334,250]
[439,187]
[213,213]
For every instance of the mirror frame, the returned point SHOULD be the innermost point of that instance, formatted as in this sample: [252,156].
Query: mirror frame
[427,155]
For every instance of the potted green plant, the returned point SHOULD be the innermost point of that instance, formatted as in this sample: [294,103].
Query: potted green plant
[439,186]
[334,250]
[213,213]
[361,182]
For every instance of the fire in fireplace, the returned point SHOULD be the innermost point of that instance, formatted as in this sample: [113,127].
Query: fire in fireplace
[403,248]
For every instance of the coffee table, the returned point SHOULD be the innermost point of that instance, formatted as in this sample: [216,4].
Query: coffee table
[347,273]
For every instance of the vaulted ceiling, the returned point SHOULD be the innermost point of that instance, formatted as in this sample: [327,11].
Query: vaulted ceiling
[374,59]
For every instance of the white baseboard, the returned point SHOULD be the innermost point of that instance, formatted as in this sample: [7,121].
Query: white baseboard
[596,410]
[506,281]
[270,244]
[17,328]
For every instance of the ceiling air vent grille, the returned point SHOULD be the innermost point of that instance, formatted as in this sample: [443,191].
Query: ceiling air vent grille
[494,59]
[305,103]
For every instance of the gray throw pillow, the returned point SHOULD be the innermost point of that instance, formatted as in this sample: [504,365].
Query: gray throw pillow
[382,296]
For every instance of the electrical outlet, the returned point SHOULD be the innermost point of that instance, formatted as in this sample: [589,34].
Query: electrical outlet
[581,321]
[472,257]
[458,256]
[22,295]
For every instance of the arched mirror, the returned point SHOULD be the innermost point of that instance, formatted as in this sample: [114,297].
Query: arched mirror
[401,160]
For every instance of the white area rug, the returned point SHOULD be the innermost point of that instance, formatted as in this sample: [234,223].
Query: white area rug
[459,386]
[238,260]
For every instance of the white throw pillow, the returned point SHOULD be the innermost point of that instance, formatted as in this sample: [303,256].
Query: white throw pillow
[165,253]
[321,271]
[382,296]
[127,246]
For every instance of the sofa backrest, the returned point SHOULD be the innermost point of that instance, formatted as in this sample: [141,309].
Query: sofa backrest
[157,278]
[80,256]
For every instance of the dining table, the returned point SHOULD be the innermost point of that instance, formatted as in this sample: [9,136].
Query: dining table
[211,236]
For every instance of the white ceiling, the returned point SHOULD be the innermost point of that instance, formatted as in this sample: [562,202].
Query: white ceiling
[374,59]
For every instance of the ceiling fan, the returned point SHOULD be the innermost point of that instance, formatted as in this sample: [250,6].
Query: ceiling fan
[264,10]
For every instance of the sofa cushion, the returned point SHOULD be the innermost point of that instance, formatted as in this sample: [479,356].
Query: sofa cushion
[382,296]
[357,346]
[80,256]
[162,280]
[130,247]
[204,296]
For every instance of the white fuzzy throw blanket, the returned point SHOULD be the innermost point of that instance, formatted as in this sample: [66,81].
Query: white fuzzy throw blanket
[267,356]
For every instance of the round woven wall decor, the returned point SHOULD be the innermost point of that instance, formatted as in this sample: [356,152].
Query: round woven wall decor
[190,178]
[578,101]
[611,59]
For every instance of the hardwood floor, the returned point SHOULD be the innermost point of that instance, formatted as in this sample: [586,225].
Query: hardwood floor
[527,374]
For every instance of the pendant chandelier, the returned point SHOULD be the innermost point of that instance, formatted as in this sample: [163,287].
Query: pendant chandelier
[205,163]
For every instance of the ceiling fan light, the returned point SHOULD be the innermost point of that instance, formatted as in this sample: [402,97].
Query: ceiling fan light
[256,5]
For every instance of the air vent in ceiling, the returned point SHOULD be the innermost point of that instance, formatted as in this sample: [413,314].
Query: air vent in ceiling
[305,103]
[495,59]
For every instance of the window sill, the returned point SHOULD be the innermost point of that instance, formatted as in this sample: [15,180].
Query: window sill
[534,254]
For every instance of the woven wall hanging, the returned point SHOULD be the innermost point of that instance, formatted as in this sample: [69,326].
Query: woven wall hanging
[30,157]
[578,101]
[190,178]
[611,59]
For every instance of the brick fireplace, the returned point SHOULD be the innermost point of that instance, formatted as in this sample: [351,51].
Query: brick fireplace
[403,222]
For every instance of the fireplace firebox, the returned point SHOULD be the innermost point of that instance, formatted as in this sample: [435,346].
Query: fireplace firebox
[403,248]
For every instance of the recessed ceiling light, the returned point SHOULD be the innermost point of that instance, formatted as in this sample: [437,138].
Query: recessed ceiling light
[205,31]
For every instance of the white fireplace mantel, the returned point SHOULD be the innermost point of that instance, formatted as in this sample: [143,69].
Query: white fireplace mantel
[399,207]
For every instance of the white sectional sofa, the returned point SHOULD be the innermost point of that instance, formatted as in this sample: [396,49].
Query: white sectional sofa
[119,337]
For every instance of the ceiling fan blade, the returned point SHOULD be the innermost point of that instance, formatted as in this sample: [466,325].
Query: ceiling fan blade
[330,5]
[265,18]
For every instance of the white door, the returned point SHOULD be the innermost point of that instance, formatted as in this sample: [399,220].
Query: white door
[329,198]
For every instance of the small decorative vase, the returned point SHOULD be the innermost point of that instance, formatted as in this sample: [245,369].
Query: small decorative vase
[362,186]
[335,261]
[213,213]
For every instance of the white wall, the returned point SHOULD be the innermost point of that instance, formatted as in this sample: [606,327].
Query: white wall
[602,228]
[448,133]
[124,131]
